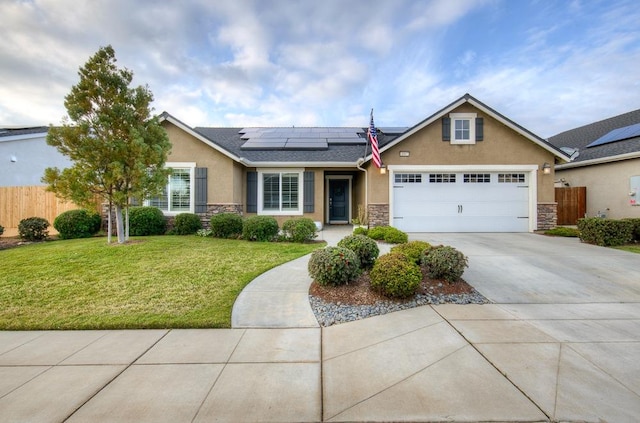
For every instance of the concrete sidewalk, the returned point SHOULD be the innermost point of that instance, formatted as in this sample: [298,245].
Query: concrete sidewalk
[497,362]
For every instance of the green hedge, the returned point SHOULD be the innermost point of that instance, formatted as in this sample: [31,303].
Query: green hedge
[226,225]
[636,228]
[302,229]
[388,234]
[33,229]
[395,275]
[77,224]
[606,232]
[186,224]
[365,248]
[145,221]
[260,228]
[334,266]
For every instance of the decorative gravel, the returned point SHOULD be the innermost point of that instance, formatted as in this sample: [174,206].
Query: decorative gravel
[329,314]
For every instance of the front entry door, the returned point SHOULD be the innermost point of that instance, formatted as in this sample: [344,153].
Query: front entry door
[338,201]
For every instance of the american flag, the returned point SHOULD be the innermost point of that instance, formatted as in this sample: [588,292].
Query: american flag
[372,135]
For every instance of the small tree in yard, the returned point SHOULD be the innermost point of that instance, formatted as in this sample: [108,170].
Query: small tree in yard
[117,148]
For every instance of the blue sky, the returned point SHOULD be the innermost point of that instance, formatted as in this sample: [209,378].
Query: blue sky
[549,65]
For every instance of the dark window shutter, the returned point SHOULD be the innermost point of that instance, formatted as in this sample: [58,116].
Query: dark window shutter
[201,190]
[479,129]
[252,192]
[446,129]
[308,192]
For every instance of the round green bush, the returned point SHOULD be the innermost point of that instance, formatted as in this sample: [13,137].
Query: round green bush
[33,229]
[413,250]
[299,230]
[226,225]
[334,266]
[443,262]
[1,229]
[186,224]
[388,234]
[77,224]
[395,275]
[365,248]
[360,230]
[260,228]
[145,221]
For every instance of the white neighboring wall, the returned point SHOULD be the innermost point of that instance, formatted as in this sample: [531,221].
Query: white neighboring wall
[23,159]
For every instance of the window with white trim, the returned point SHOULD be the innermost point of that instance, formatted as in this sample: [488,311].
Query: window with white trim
[511,178]
[177,195]
[442,178]
[408,178]
[280,192]
[463,128]
[477,178]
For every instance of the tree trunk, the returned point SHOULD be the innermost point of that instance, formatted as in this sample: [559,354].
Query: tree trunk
[119,224]
[109,224]
[126,223]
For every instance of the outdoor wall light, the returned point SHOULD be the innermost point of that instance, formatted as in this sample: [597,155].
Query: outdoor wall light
[13,158]
[546,168]
[383,170]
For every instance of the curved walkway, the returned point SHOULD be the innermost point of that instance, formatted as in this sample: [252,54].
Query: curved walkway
[512,361]
[279,298]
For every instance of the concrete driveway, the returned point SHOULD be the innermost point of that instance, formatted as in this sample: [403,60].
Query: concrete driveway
[510,268]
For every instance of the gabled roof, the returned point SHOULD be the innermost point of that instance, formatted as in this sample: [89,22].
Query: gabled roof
[467,98]
[237,143]
[613,148]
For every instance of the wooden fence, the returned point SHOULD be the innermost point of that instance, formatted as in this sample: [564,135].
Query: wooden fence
[572,204]
[17,203]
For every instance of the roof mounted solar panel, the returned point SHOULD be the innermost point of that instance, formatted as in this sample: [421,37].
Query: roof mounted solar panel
[616,135]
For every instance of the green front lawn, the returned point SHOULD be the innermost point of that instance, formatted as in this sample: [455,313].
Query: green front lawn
[630,248]
[152,282]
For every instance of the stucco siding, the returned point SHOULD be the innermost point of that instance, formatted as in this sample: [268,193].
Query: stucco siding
[501,146]
[607,187]
[221,170]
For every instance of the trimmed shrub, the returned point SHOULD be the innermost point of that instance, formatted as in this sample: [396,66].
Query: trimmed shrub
[360,230]
[395,275]
[226,225]
[413,250]
[388,234]
[444,262]
[1,229]
[563,231]
[299,230]
[334,266]
[365,248]
[634,222]
[605,232]
[260,228]
[33,229]
[145,221]
[186,224]
[77,224]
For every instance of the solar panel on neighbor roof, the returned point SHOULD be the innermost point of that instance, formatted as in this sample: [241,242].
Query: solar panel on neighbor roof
[619,134]
[264,143]
[306,144]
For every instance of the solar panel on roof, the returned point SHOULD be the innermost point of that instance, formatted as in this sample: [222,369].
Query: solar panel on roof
[619,134]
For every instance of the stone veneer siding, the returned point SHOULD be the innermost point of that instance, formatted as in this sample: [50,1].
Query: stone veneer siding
[547,216]
[378,215]
[213,209]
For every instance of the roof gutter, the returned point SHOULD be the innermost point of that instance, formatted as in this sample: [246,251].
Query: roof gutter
[602,160]
[250,163]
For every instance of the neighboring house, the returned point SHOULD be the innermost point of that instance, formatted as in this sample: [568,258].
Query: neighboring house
[607,162]
[24,155]
[466,168]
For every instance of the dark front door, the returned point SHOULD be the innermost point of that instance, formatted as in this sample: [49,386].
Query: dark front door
[339,200]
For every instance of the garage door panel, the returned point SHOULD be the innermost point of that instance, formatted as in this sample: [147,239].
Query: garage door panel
[486,202]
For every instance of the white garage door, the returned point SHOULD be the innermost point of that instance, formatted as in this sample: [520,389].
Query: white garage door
[461,201]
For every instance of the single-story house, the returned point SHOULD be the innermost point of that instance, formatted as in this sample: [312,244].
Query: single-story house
[465,168]
[606,160]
